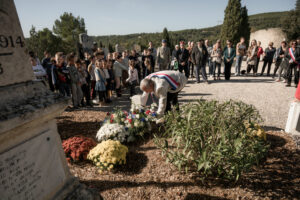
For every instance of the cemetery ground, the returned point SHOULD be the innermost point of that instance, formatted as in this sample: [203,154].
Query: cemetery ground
[146,175]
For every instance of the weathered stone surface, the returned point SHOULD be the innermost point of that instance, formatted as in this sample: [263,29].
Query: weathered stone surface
[274,35]
[25,176]
[14,61]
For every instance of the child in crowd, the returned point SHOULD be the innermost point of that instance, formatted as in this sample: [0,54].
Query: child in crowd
[148,67]
[111,83]
[100,82]
[108,80]
[75,81]
[118,67]
[133,78]
[63,74]
[84,86]
[91,70]
[38,70]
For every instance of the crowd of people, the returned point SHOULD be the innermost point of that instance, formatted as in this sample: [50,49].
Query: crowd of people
[94,78]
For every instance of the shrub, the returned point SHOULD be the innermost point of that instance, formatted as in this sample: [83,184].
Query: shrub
[215,139]
[77,148]
[108,154]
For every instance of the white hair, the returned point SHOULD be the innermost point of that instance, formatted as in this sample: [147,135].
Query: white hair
[146,83]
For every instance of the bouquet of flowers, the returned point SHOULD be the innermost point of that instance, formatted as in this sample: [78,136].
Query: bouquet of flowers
[114,131]
[108,154]
[77,148]
[136,122]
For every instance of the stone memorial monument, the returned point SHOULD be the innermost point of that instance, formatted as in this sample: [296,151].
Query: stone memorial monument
[32,161]
[86,42]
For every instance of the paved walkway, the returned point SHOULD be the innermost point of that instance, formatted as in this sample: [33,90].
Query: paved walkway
[271,98]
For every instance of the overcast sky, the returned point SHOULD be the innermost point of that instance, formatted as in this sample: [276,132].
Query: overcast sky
[135,16]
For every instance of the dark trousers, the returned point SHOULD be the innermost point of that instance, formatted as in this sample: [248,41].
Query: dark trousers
[191,68]
[93,92]
[185,69]
[172,99]
[257,63]
[132,86]
[64,89]
[51,86]
[215,66]
[203,72]
[277,64]
[102,96]
[293,67]
[210,67]
[86,93]
[269,62]
[227,70]
[251,67]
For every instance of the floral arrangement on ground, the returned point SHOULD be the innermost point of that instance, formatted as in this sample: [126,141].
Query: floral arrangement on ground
[77,148]
[108,154]
[127,126]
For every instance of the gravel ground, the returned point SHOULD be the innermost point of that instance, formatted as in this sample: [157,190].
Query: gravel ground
[271,98]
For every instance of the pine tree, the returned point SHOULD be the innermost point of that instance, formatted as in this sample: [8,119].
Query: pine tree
[245,26]
[165,36]
[231,28]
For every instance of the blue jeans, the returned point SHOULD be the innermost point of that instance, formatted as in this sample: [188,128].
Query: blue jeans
[216,65]
[238,64]
[203,72]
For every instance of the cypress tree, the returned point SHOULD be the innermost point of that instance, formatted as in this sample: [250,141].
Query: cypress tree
[245,26]
[165,35]
[231,28]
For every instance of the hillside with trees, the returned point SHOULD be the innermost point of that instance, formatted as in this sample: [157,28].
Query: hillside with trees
[257,22]
[66,29]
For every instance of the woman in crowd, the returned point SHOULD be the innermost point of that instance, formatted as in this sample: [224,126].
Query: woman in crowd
[279,59]
[268,58]
[252,57]
[229,54]
[216,56]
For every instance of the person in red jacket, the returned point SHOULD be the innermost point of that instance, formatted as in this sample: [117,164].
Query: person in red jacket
[259,53]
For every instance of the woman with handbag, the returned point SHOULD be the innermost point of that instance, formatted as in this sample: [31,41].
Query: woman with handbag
[252,57]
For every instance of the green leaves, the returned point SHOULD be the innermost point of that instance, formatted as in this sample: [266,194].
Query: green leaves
[211,138]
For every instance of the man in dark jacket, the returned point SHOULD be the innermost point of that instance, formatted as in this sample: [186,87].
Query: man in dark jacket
[182,58]
[199,58]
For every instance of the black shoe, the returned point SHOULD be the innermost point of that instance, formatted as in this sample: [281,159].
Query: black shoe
[296,86]
[288,85]
[198,81]
[261,74]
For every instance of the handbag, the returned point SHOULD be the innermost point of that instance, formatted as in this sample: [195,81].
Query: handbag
[175,65]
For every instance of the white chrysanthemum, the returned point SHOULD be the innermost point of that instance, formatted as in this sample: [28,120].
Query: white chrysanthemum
[112,131]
